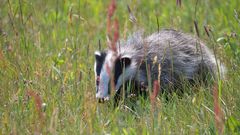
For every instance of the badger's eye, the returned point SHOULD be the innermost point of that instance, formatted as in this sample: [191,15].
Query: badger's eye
[97,80]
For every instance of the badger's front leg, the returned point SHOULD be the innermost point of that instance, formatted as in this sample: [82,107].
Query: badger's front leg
[131,91]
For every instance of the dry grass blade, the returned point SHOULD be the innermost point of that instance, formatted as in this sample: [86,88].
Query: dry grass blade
[219,122]
[179,3]
[38,105]
[116,35]
[157,24]
[1,55]
[156,87]
[111,8]
[38,102]
[131,110]
[196,28]
[99,45]
[132,18]
[112,37]
[53,122]
[207,30]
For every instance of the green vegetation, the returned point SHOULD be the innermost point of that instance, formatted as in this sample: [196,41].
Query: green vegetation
[46,67]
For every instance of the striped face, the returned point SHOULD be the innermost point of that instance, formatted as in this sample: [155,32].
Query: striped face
[109,66]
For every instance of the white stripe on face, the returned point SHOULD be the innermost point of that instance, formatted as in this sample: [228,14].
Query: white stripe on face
[103,84]
[105,74]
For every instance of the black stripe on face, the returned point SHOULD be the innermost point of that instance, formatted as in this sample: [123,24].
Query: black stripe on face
[119,66]
[99,62]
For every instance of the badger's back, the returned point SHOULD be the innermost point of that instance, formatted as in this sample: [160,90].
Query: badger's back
[180,56]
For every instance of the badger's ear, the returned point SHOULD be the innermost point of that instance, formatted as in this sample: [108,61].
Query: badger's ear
[97,55]
[125,61]
[100,56]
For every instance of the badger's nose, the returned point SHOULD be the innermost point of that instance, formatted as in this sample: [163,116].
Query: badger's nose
[103,99]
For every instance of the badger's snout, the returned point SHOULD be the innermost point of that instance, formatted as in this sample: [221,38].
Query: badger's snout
[101,97]
[102,100]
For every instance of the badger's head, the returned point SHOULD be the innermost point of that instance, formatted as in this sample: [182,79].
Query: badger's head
[111,67]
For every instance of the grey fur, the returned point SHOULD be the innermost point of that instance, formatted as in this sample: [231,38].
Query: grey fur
[180,56]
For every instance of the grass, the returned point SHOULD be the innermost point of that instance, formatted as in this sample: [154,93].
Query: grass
[46,67]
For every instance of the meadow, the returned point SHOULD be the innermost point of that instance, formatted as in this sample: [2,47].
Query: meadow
[47,83]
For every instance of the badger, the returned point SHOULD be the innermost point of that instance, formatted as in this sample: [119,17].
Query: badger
[169,56]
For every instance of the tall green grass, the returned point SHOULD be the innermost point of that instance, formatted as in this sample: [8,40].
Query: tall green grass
[46,63]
